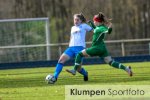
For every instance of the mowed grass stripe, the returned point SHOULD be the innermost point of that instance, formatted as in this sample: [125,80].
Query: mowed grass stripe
[29,83]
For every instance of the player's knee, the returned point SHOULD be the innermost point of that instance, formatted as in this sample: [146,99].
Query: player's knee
[63,58]
[80,54]
[108,59]
[61,61]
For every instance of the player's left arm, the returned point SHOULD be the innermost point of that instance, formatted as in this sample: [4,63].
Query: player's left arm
[91,24]
[110,28]
[88,28]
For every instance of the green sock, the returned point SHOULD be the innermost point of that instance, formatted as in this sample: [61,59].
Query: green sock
[78,61]
[117,65]
[76,67]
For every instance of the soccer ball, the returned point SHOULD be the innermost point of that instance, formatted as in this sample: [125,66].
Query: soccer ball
[50,79]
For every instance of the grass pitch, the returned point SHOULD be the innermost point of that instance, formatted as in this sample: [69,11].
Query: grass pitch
[29,84]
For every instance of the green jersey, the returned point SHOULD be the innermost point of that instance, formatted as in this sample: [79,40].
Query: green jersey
[99,34]
[98,47]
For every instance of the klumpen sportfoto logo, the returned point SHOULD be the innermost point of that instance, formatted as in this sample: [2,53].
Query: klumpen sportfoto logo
[102,92]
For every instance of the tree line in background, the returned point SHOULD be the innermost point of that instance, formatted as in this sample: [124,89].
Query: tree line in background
[130,18]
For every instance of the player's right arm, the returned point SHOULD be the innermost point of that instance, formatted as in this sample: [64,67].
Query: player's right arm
[92,24]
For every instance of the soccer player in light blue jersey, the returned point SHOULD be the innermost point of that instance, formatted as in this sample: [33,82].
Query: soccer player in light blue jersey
[76,44]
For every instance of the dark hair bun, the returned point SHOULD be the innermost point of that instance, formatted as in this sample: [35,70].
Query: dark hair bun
[101,16]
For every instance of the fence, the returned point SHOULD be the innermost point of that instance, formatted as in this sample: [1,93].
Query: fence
[19,39]
[117,48]
[28,40]
[134,50]
[128,47]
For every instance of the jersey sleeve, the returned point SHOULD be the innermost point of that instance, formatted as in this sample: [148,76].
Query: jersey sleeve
[104,30]
[101,30]
[92,24]
[72,29]
[88,28]
[109,30]
[97,30]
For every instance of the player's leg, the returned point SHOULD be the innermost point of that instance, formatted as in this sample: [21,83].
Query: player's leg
[81,70]
[63,58]
[78,61]
[118,65]
[92,51]
[59,66]
[86,52]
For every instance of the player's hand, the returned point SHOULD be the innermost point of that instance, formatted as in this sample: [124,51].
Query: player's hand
[109,25]
[89,21]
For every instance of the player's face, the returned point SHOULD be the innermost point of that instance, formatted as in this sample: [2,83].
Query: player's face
[77,21]
[96,23]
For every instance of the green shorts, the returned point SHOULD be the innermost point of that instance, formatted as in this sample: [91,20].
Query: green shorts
[98,50]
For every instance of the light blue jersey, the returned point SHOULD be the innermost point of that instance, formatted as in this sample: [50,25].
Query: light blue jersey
[76,44]
[78,33]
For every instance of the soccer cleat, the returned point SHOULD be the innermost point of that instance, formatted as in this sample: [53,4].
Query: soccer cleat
[86,77]
[73,72]
[129,71]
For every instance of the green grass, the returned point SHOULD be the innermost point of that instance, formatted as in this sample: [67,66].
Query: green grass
[29,84]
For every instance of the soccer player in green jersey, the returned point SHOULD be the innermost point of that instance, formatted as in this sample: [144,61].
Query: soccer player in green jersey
[98,47]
